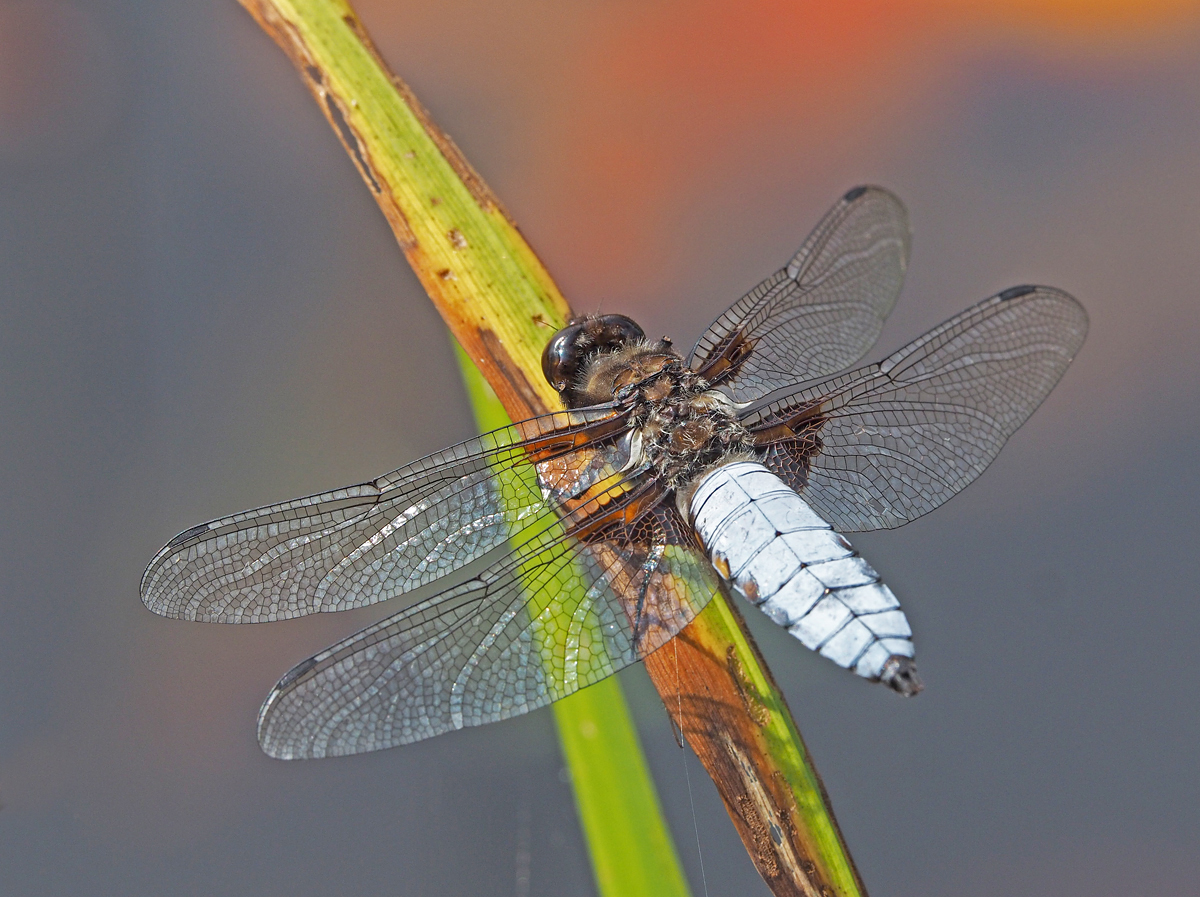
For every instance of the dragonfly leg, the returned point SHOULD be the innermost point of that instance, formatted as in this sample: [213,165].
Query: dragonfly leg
[649,567]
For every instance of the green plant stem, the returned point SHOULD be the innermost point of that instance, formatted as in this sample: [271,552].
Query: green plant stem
[501,305]
[628,839]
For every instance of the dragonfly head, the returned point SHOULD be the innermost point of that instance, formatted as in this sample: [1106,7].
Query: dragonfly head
[566,355]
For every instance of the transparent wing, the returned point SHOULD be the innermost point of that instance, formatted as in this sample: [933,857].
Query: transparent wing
[823,311]
[554,617]
[374,541]
[883,445]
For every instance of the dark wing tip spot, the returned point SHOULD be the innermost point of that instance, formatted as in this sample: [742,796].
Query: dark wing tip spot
[854,194]
[187,535]
[1016,292]
[295,673]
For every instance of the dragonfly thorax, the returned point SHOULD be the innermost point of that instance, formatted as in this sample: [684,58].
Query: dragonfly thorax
[682,426]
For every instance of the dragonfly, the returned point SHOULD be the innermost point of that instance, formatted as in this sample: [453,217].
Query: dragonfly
[560,549]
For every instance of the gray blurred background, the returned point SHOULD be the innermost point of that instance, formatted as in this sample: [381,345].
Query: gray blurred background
[202,310]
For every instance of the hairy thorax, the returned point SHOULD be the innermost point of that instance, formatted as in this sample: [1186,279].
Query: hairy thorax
[681,426]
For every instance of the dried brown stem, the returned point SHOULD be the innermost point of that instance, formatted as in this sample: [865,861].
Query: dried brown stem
[498,301]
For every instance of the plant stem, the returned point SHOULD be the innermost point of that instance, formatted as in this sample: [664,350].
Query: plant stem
[501,305]
[628,839]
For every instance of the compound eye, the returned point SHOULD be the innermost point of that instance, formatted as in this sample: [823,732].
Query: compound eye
[568,351]
[616,330]
[560,358]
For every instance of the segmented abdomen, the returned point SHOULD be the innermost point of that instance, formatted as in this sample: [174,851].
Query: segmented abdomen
[779,555]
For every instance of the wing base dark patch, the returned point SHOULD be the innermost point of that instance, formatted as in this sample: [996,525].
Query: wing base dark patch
[880,446]
[822,311]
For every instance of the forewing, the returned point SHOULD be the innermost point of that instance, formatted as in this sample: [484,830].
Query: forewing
[823,311]
[883,445]
[555,617]
[366,543]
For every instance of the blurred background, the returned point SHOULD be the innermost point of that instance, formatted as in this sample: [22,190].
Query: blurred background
[202,310]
